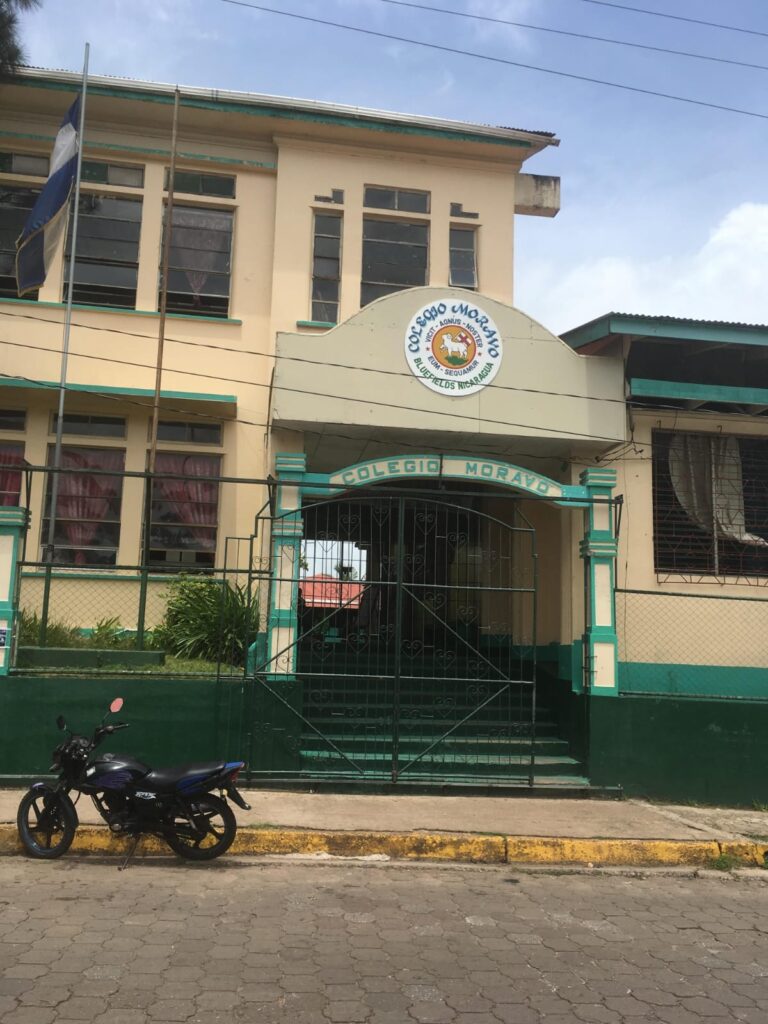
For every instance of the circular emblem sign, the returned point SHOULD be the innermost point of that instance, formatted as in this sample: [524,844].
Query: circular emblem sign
[453,347]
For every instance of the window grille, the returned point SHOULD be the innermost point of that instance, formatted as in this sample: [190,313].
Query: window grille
[11,461]
[710,503]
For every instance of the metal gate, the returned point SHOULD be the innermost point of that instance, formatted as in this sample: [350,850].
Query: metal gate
[413,649]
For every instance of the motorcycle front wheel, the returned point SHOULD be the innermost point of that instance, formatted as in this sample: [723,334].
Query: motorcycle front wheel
[205,831]
[47,823]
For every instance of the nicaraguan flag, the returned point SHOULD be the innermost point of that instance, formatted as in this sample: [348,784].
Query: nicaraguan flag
[36,245]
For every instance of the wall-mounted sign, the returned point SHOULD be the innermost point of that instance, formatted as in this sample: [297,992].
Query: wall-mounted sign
[453,347]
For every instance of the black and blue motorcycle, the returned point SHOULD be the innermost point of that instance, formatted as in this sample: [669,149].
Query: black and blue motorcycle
[177,804]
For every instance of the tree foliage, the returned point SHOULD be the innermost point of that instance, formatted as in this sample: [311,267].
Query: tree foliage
[11,52]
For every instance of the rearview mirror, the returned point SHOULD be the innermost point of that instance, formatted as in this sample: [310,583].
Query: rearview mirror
[61,725]
[116,705]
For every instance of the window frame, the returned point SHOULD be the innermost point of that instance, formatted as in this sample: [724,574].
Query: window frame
[98,298]
[397,192]
[315,278]
[11,290]
[202,559]
[392,287]
[224,208]
[708,554]
[473,232]
[115,522]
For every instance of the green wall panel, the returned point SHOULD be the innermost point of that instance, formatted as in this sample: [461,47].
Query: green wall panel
[172,720]
[697,680]
[681,749]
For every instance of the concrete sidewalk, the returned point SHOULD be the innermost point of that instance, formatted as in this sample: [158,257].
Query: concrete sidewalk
[490,829]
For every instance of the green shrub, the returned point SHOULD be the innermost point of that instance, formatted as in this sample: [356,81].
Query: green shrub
[207,618]
[57,634]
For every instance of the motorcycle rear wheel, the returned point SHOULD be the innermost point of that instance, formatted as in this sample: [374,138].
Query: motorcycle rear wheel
[215,827]
[47,823]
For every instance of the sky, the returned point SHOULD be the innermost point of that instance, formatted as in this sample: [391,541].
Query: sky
[664,204]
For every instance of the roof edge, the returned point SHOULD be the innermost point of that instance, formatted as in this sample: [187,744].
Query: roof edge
[299,108]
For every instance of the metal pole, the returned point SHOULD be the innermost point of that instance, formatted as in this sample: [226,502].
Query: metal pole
[164,286]
[165,260]
[49,549]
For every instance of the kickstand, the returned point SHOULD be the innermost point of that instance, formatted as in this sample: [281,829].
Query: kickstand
[132,849]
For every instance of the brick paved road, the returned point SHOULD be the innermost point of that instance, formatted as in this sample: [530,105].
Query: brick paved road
[301,943]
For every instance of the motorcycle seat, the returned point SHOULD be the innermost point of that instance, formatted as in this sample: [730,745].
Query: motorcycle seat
[182,777]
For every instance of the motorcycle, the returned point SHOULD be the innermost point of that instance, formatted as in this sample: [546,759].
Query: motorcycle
[175,804]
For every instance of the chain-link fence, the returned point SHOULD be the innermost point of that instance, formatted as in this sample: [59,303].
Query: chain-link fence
[692,644]
[190,602]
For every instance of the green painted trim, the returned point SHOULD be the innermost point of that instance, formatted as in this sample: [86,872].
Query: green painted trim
[109,389]
[675,680]
[114,578]
[686,330]
[122,312]
[259,109]
[269,165]
[641,388]
[315,323]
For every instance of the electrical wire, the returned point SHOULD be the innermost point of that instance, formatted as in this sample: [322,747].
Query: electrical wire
[315,394]
[498,60]
[677,17]
[302,359]
[575,35]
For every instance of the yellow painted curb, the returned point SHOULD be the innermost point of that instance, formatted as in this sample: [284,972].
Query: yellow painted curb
[459,847]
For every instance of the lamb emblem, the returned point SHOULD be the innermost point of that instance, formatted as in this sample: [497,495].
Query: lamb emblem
[458,346]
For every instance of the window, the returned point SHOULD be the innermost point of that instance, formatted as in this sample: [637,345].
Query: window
[107,258]
[15,205]
[326,267]
[394,257]
[112,174]
[13,419]
[199,184]
[200,263]
[396,199]
[87,529]
[194,433]
[710,499]
[185,511]
[463,258]
[11,461]
[96,426]
[24,163]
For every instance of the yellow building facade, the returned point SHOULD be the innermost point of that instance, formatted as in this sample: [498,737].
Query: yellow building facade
[423,489]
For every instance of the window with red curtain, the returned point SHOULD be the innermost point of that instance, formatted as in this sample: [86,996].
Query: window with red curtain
[11,461]
[185,512]
[87,530]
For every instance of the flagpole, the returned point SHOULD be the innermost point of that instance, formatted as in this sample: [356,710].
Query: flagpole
[49,551]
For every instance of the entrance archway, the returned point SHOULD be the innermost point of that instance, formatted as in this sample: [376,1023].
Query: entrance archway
[401,640]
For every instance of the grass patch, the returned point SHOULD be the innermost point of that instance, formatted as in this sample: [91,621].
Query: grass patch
[724,862]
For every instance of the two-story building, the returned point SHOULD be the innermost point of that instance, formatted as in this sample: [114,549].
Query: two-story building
[424,488]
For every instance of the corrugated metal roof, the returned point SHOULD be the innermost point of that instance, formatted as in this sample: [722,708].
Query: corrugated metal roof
[596,334]
[649,317]
[289,103]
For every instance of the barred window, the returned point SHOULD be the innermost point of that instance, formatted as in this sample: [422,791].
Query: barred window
[107,257]
[87,528]
[710,503]
[15,207]
[326,267]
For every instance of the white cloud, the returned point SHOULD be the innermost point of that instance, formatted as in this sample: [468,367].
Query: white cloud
[725,279]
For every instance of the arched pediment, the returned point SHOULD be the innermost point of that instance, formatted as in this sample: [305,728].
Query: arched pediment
[377,370]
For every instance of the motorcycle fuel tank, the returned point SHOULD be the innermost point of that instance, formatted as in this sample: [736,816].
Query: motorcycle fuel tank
[113,771]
